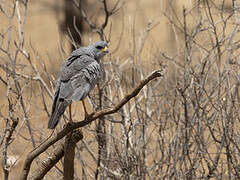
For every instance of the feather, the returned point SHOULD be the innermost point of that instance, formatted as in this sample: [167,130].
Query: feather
[57,113]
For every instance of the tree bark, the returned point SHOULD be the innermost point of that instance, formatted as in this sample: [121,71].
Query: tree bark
[69,154]
[57,154]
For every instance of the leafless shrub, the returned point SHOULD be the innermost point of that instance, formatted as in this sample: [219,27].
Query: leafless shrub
[183,126]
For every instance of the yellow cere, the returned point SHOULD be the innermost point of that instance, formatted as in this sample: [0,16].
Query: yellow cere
[105,49]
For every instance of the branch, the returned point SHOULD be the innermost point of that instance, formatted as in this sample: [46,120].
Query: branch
[10,129]
[107,14]
[69,153]
[57,154]
[48,163]
[93,116]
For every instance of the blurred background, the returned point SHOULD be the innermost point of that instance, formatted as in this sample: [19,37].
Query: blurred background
[182,126]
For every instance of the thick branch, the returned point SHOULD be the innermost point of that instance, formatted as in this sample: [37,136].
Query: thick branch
[69,153]
[48,163]
[69,127]
[57,154]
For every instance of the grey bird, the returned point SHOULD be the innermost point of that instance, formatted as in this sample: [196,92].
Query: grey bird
[77,77]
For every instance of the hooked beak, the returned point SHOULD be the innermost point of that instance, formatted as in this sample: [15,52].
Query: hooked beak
[105,49]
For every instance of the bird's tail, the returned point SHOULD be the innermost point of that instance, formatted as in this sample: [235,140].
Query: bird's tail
[57,113]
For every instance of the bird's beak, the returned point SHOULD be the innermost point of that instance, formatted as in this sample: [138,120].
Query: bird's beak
[105,49]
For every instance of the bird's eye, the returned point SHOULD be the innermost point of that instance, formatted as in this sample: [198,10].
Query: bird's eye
[99,47]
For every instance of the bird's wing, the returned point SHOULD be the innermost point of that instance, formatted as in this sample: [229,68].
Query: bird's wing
[58,107]
[68,70]
[56,93]
[75,55]
[85,80]
[80,75]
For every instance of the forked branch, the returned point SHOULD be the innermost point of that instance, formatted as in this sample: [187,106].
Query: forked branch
[95,115]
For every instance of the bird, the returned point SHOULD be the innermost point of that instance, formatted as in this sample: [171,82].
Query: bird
[78,75]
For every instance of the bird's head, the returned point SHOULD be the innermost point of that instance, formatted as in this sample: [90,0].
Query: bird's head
[100,49]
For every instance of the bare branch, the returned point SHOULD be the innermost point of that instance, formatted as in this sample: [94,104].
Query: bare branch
[69,127]
[56,155]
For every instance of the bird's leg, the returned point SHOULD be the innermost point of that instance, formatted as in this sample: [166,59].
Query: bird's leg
[70,113]
[85,109]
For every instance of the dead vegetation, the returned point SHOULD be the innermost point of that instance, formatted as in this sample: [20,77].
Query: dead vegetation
[184,125]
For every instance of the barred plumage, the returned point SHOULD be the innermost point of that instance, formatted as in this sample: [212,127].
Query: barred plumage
[77,77]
